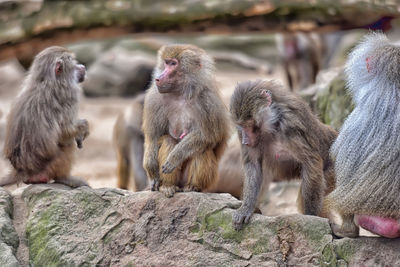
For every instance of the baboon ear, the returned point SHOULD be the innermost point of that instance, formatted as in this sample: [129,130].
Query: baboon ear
[267,95]
[59,68]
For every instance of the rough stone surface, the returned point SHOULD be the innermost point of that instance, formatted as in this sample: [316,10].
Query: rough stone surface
[8,236]
[113,227]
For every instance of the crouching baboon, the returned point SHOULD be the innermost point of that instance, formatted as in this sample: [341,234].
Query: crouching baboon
[42,127]
[366,152]
[280,138]
[185,122]
[129,145]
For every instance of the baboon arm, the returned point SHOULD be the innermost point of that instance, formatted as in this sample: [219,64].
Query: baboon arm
[150,160]
[313,185]
[186,148]
[252,184]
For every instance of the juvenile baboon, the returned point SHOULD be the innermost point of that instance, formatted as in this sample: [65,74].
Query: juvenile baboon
[366,152]
[281,139]
[185,122]
[42,127]
[128,142]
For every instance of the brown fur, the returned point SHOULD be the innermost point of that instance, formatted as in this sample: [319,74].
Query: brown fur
[288,142]
[128,142]
[183,101]
[42,129]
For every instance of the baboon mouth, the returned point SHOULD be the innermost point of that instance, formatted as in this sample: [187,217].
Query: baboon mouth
[81,78]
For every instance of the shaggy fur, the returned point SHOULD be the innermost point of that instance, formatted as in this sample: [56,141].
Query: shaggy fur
[290,142]
[193,104]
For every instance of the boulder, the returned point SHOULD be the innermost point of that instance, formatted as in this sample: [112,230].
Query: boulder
[329,98]
[119,72]
[11,76]
[8,236]
[113,227]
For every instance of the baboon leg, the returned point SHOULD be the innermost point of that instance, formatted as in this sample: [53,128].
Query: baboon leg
[169,180]
[202,171]
[72,181]
[123,169]
[348,227]
[60,168]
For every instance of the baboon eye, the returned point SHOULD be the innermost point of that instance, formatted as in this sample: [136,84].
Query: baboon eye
[59,68]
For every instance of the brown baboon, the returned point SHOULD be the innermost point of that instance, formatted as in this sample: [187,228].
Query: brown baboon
[366,152]
[128,143]
[185,122]
[280,138]
[42,125]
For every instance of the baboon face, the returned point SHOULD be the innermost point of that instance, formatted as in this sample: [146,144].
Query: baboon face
[249,109]
[249,134]
[178,64]
[169,77]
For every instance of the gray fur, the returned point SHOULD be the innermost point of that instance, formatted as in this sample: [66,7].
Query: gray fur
[42,123]
[367,151]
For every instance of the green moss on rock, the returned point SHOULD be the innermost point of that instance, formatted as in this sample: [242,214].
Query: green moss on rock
[333,103]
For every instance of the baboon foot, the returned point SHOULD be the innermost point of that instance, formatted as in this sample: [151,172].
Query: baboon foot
[349,230]
[72,181]
[168,190]
[191,188]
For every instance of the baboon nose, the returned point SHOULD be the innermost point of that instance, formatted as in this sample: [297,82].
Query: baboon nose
[157,80]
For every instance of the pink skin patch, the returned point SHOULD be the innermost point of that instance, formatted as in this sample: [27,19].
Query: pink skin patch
[170,65]
[368,62]
[183,135]
[386,227]
[40,178]
[277,156]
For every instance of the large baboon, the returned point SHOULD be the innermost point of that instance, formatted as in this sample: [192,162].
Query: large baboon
[185,122]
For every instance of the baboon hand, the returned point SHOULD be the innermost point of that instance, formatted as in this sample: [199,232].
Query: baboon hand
[168,167]
[240,217]
[155,185]
[82,131]
[82,128]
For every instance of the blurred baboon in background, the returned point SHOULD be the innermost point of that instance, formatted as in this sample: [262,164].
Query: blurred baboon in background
[230,172]
[128,141]
[303,55]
